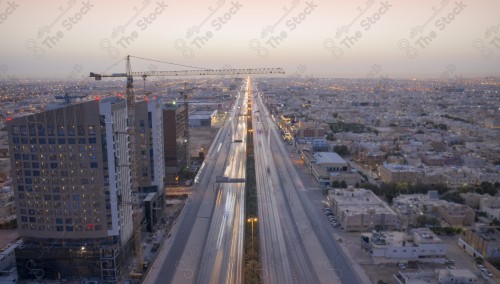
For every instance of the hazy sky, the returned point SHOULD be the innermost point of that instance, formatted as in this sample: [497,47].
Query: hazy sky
[321,38]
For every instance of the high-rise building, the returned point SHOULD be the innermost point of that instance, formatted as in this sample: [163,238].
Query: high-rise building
[175,140]
[72,180]
[150,160]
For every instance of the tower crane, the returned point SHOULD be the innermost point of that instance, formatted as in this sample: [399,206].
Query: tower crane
[130,98]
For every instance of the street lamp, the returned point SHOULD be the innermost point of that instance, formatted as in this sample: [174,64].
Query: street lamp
[252,220]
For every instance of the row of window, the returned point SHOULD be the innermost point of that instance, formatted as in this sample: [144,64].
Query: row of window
[69,228]
[55,181]
[52,141]
[42,130]
[57,189]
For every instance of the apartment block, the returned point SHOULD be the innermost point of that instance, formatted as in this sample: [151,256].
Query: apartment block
[360,210]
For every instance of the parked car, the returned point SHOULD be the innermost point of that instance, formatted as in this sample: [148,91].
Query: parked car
[487,273]
[480,267]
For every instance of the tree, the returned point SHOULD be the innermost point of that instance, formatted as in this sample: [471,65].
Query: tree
[335,184]
[342,150]
[454,197]
[330,137]
[343,184]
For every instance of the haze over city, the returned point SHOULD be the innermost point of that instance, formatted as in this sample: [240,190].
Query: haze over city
[238,141]
[331,38]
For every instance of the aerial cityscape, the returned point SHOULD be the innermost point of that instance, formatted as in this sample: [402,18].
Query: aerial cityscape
[250,142]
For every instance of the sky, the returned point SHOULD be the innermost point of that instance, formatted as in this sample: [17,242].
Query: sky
[319,38]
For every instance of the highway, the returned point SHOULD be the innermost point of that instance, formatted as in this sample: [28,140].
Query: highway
[206,244]
[287,219]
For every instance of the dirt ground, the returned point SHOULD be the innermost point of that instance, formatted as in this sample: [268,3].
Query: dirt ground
[7,236]
[202,138]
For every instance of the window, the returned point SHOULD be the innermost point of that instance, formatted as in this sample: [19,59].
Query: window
[33,140]
[42,141]
[81,130]
[15,140]
[41,130]
[81,140]
[32,130]
[52,141]
[24,140]
[61,141]
[93,165]
[71,141]
[71,131]
[26,156]
[60,131]
[91,130]
[92,140]
[50,131]
[15,130]
[23,129]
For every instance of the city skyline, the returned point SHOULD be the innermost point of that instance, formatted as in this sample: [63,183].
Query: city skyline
[306,38]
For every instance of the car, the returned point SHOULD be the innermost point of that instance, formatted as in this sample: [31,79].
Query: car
[480,267]
[451,267]
[449,261]
[402,265]
[487,273]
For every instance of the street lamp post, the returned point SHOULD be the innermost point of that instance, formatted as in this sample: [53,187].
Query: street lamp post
[252,220]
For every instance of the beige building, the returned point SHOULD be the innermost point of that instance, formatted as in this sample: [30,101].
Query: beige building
[482,241]
[456,215]
[360,210]
[350,177]
[310,129]
[392,173]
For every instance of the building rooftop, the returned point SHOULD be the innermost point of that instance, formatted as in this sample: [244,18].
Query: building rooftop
[328,158]
[357,201]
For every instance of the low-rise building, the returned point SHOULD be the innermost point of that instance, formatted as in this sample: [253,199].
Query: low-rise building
[438,276]
[420,244]
[322,164]
[456,215]
[491,206]
[483,241]
[351,177]
[360,210]
[392,173]
[310,129]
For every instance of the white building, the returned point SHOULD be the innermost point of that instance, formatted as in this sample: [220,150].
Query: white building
[393,247]
[438,276]
[491,206]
